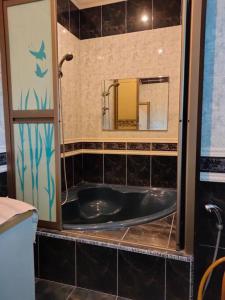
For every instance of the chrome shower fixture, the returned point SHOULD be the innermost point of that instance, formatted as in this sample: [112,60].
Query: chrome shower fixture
[212,208]
[66,57]
[109,88]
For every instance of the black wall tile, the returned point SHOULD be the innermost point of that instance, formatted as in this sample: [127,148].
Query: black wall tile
[118,18]
[3,185]
[113,19]
[69,172]
[74,20]
[166,13]
[97,268]
[141,276]
[177,280]
[93,168]
[90,22]
[164,171]
[212,164]
[63,13]
[3,159]
[57,260]
[138,170]
[115,169]
[135,11]
[78,169]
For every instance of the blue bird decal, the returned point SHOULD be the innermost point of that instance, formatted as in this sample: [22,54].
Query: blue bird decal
[41,53]
[39,71]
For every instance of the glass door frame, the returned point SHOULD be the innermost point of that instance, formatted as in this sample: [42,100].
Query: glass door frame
[32,116]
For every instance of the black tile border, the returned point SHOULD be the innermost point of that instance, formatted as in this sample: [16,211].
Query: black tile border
[139,146]
[92,145]
[115,146]
[76,28]
[164,146]
[212,164]
[130,146]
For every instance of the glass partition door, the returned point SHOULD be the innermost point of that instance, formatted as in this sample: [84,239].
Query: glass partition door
[31,52]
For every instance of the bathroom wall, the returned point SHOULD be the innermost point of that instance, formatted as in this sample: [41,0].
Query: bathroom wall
[211,186]
[132,164]
[70,82]
[115,44]
[128,56]
[110,42]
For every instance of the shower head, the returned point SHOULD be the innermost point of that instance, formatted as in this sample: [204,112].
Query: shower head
[212,208]
[116,84]
[66,57]
[107,93]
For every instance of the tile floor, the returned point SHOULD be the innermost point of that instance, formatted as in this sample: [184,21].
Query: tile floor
[49,290]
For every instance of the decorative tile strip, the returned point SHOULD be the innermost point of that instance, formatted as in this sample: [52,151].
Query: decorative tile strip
[114,146]
[164,146]
[3,159]
[68,147]
[212,164]
[149,251]
[92,145]
[77,146]
[139,146]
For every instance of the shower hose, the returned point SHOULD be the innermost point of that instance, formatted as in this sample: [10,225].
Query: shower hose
[205,277]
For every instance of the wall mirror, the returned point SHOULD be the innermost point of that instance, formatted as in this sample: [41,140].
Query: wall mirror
[135,103]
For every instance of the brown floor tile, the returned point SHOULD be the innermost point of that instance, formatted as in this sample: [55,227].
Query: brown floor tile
[148,235]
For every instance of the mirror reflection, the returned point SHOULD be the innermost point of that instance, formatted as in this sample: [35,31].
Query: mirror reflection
[135,103]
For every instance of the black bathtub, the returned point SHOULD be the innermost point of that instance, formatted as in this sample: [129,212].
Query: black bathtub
[98,207]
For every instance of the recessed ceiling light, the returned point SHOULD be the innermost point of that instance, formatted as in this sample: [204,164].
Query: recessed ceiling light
[160,51]
[144,18]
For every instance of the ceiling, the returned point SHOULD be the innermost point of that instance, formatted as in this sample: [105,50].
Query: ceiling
[90,3]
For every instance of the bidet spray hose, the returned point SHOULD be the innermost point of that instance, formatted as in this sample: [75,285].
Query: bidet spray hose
[206,275]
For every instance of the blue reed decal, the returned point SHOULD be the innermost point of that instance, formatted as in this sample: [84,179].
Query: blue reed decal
[50,189]
[31,153]
[38,156]
[20,160]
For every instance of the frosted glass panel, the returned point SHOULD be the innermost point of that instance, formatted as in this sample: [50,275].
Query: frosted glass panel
[30,43]
[35,167]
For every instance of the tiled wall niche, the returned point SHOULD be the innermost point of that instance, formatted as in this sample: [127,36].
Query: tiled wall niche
[118,18]
[132,164]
